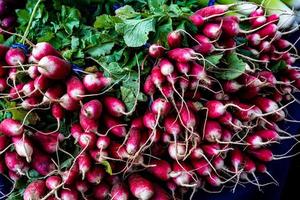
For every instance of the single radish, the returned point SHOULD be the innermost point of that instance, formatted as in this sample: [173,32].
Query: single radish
[188,118]
[149,86]
[137,123]
[204,48]
[212,30]
[161,169]
[11,127]
[49,143]
[212,131]
[67,194]
[156,50]
[182,54]
[43,49]
[213,180]
[258,21]
[174,39]
[84,164]
[76,130]
[54,67]
[16,92]
[264,155]
[149,120]
[68,103]
[75,88]
[157,77]
[183,68]
[181,174]
[140,187]
[114,106]
[35,190]
[33,71]
[57,111]
[218,163]
[103,142]
[161,107]
[211,150]
[236,159]
[69,176]
[202,167]
[15,163]
[95,175]
[23,147]
[268,31]
[166,67]
[230,26]
[114,126]
[172,126]
[254,39]
[53,94]
[177,151]
[133,141]
[88,124]
[101,191]
[93,82]
[4,140]
[92,109]
[82,186]
[53,181]
[118,151]
[87,140]
[99,155]
[266,105]
[15,57]
[119,191]
[42,163]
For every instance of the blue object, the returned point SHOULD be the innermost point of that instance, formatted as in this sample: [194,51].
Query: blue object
[76,69]
[23,47]
[211,2]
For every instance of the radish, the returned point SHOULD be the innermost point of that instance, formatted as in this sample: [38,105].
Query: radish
[182,174]
[13,175]
[15,57]
[157,77]
[166,67]
[35,190]
[213,180]
[149,86]
[204,48]
[182,54]
[69,176]
[92,109]
[211,150]
[174,39]
[33,71]
[11,127]
[4,140]
[84,164]
[42,163]
[15,163]
[101,191]
[3,84]
[161,169]
[53,94]
[268,31]
[43,49]
[202,38]
[236,159]
[88,124]
[57,111]
[212,131]
[177,151]
[54,67]
[3,48]
[140,187]
[161,107]
[118,151]
[149,120]
[49,143]
[114,126]
[82,186]
[266,105]
[95,175]
[53,181]
[16,92]
[119,192]
[87,140]
[23,147]
[76,130]
[160,194]
[258,21]
[213,31]
[94,83]
[183,68]
[254,39]
[218,163]
[137,123]
[99,155]
[264,155]
[172,126]
[103,142]
[188,118]
[68,103]
[202,167]
[133,141]
[67,194]
[156,50]
[114,106]
[75,88]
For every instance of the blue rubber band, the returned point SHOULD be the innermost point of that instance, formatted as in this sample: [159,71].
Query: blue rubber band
[211,2]
[21,46]
[76,69]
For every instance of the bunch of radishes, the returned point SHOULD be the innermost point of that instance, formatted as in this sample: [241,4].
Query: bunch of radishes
[7,13]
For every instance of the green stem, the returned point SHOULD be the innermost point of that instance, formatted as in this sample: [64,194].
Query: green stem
[30,21]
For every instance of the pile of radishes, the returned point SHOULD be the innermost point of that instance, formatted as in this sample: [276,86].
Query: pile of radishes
[7,13]
[198,132]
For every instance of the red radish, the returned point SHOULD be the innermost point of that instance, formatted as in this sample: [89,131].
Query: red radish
[15,163]
[230,26]
[84,164]
[156,50]
[172,126]
[43,49]
[29,89]
[82,186]
[119,192]
[88,124]
[212,131]
[225,119]
[3,84]
[182,174]
[53,181]
[16,92]
[214,180]
[174,39]
[140,187]
[95,175]
[15,57]
[42,163]
[93,83]
[75,88]
[49,143]
[101,191]
[33,72]
[11,127]
[182,54]
[12,74]
[114,126]
[13,175]
[212,30]
[215,109]
[70,175]
[3,50]
[67,194]
[249,165]
[265,155]
[54,67]
[160,106]
[183,68]
[204,48]
[266,105]
[258,21]
[161,169]
[57,111]
[267,76]
[265,46]
[68,103]
[30,103]
[218,163]
[197,20]
[133,141]
[87,140]
[177,151]
[32,60]
[160,194]
[197,153]
[118,151]
[4,140]
[211,150]
[92,109]
[23,147]
[201,38]
[168,91]
[137,123]
[157,77]
[103,142]
[99,155]
[76,130]
[188,118]
[268,31]
[268,135]
[254,39]
[149,120]
[282,44]
[149,87]
[236,159]
[114,106]
[35,190]
[166,67]
[53,94]
[202,167]
[226,135]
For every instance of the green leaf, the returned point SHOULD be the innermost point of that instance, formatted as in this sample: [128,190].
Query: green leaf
[74,43]
[156,5]
[70,19]
[162,32]
[106,21]
[33,174]
[107,167]
[212,60]
[19,114]
[175,11]
[235,67]
[278,66]
[126,12]
[67,163]
[114,69]
[101,50]
[136,31]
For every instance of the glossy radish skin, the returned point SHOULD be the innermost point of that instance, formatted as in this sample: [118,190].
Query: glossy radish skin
[212,30]
[133,141]
[181,54]
[23,147]
[115,126]
[172,126]
[92,109]
[156,50]
[53,181]
[95,175]
[54,67]
[161,106]
[84,164]
[177,151]
[75,88]
[67,194]
[35,190]
[140,187]
[114,106]
[174,39]
[15,57]
[166,67]
[42,163]
[15,163]
[215,109]
[119,191]
[101,191]
[212,131]
[87,140]
[76,130]
[11,127]
[68,103]
[161,169]
[33,71]
[43,49]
